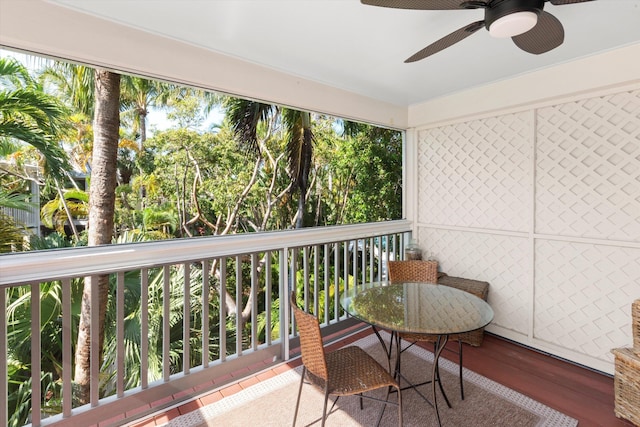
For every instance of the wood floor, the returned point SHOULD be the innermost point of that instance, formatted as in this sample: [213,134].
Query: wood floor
[578,392]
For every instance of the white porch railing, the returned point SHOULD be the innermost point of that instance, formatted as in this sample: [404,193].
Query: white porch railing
[248,270]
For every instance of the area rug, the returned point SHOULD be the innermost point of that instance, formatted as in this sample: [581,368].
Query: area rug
[486,404]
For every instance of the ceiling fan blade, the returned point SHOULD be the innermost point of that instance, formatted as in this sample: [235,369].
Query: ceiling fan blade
[418,4]
[546,35]
[446,41]
[561,2]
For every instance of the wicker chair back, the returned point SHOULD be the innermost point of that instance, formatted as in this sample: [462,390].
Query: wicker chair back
[413,271]
[311,348]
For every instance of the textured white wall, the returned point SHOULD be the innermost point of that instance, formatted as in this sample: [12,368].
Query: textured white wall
[543,202]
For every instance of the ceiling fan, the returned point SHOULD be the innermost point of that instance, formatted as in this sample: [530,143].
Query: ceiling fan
[529,26]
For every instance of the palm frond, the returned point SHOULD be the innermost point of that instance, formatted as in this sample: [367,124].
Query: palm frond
[299,147]
[15,201]
[13,74]
[245,116]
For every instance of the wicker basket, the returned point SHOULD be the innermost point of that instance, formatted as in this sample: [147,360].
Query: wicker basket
[627,385]
[635,325]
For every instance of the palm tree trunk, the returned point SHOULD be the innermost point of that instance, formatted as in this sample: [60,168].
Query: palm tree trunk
[101,218]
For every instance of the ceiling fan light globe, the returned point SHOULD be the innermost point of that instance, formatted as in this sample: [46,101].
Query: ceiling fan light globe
[513,24]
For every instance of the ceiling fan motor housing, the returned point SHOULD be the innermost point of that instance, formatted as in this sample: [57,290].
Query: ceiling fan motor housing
[507,7]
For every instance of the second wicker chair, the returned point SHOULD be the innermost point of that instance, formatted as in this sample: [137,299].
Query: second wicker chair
[344,372]
[422,271]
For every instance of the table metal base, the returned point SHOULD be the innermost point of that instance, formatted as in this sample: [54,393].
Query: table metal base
[440,344]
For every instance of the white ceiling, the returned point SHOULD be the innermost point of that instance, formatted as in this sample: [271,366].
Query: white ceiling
[362,48]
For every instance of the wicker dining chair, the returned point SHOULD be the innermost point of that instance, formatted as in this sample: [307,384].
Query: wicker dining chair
[344,372]
[422,271]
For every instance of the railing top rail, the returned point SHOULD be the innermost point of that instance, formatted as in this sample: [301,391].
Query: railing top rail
[28,267]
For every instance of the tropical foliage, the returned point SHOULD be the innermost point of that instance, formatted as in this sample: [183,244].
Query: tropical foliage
[30,115]
[261,167]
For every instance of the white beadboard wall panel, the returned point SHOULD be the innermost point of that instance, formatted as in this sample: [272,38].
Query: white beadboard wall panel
[477,173]
[544,204]
[588,168]
[583,294]
[498,259]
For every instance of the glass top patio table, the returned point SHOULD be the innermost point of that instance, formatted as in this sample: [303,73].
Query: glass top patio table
[424,308]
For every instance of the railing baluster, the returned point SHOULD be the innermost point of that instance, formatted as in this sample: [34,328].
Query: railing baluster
[144,328]
[222,331]
[292,270]
[67,391]
[94,328]
[36,356]
[404,238]
[186,318]
[268,298]
[254,301]
[395,247]
[345,264]
[327,298]
[380,259]
[363,261]
[287,324]
[372,248]
[239,321]
[120,373]
[305,276]
[354,260]
[336,280]
[205,313]
[166,323]
[316,282]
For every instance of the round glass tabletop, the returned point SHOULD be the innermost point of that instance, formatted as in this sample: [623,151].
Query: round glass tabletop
[417,307]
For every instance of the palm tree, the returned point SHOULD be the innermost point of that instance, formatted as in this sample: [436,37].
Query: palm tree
[102,198]
[94,93]
[300,152]
[138,96]
[103,97]
[246,116]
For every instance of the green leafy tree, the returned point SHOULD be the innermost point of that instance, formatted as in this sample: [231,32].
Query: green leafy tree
[371,159]
[216,189]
